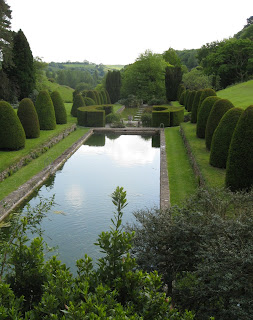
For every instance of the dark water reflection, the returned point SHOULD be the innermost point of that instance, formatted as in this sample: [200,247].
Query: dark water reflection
[83,186]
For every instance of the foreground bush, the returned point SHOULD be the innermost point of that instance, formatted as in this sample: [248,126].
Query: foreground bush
[219,108]
[28,117]
[12,134]
[202,248]
[31,288]
[239,173]
[45,110]
[222,137]
[203,115]
[77,103]
[59,108]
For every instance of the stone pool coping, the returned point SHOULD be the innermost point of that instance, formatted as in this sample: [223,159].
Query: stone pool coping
[10,202]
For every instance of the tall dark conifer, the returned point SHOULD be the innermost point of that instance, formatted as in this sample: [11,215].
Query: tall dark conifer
[173,78]
[113,85]
[5,25]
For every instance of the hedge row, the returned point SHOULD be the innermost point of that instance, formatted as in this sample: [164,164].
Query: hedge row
[93,116]
[169,116]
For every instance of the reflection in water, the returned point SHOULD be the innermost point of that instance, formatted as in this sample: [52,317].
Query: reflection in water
[83,187]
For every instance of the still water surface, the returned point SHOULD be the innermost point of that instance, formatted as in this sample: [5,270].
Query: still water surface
[82,190]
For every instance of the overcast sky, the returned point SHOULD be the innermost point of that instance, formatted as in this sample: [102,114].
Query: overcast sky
[117,31]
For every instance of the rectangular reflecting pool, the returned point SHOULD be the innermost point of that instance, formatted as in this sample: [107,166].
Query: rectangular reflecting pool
[82,189]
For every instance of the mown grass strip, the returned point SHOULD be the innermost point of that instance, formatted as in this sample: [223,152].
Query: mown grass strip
[181,177]
[25,173]
[214,177]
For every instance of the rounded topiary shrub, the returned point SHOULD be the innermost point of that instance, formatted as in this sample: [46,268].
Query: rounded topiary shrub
[59,108]
[205,93]
[203,115]
[29,118]
[89,102]
[239,173]
[191,99]
[195,106]
[187,92]
[219,108]
[222,137]
[91,94]
[45,110]
[12,134]
[77,103]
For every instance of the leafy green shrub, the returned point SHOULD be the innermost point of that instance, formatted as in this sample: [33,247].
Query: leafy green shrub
[112,117]
[28,117]
[159,117]
[176,117]
[203,115]
[89,102]
[45,110]
[219,108]
[12,134]
[59,108]
[77,103]
[206,93]
[222,137]
[195,106]
[146,119]
[191,99]
[182,97]
[239,173]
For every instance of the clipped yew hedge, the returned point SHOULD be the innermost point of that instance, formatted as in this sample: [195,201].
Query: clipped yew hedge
[96,118]
[12,134]
[88,101]
[191,99]
[239,173]
[159,117]
[29,118]
[195,106]
[222,137]
[93,116]
[205,93]
[59,108]
[45,110]
[176,117]
[180,90]
[203,115]
[77,103]
[169,116]
[181,99]
[219,108]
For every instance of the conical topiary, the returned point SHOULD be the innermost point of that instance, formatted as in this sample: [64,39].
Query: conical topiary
[29,118]
[59,108]
[222,137]
[78,102]
[12,134]
[45,110]
[89,102]
[239,173]
[220,107]
[205,93]
[203,115]
[195,106]
[191,99]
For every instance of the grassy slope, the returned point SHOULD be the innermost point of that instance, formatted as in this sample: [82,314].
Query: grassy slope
[181,177]
[65,92]
[214,177]
[241,95]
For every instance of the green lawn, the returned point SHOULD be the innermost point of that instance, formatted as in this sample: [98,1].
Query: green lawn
[214,177]
[128,112]
[25,173]
[181,177]
[241,95]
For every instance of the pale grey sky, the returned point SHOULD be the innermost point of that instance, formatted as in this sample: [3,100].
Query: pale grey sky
[117,31]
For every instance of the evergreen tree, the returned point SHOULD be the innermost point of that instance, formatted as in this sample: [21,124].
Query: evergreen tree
[173,78]
[5,25]
[22,72]
[113,85]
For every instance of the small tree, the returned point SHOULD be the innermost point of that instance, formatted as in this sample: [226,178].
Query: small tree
[222,137]
[78,102]
[59,108]
[45,110]
[28,117]
[219,108]
[12,134]
[239,173]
